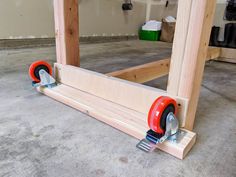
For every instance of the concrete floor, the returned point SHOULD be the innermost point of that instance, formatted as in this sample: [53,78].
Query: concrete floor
[40,137]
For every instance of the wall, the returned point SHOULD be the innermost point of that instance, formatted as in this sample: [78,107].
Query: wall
[159,11]
[26,19]
[105,17]
[34,18]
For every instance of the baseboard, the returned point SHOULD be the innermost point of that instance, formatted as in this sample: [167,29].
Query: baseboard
[98,39]
[26,43]
[45,42]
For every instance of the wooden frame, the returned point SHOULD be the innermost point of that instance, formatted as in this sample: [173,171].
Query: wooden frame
[125,109]
[123,104]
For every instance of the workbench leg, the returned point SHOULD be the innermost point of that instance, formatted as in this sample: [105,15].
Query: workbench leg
[189,52]
[67,31]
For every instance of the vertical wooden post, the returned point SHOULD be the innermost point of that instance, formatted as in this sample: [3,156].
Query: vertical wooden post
[67,31]
[181,32]
[186,69]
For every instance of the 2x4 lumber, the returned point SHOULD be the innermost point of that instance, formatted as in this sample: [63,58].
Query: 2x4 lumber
[213,53]
[179,43]
[122,118]
[134,96]
[145,72]
[193,62]
[67,32]
[227,55]
[150,71]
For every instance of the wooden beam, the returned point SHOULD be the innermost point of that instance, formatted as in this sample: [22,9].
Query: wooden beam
[134,96]
[227,55]
[193,61]
[144,73]
[213,53]
[179,43]
[150,71]
[122,118]
[67,31]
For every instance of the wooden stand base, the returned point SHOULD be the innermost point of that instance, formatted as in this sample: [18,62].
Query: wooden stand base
[127,120]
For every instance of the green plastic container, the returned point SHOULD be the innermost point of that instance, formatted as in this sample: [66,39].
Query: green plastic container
[149,35]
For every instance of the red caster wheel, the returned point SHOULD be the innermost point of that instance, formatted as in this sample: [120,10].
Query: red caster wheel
[36,67]
[162,122]
[158,113]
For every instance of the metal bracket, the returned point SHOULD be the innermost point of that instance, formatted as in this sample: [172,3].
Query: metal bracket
[46,80]
[172,127]
[172,134]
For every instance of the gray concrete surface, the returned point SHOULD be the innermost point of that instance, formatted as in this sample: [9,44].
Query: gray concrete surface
[40,137]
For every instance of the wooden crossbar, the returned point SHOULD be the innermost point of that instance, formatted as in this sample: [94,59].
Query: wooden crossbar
[227,55]
[145,72]
[153,70]
[134,96]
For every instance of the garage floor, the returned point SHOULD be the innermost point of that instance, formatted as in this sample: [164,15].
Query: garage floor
[40,137]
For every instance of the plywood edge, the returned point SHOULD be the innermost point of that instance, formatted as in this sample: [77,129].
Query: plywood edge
[128,94]
[126,120]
